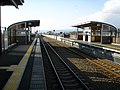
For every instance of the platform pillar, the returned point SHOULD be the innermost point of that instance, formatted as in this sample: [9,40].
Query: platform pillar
[0,34]
[25,33]
[101,34]
[77,34]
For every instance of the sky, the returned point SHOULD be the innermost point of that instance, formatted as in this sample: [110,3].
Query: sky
[62,14]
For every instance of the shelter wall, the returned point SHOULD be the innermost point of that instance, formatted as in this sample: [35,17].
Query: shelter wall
[80,37]
[117,40]
[20,39]
[107,39]
[96,38]
[73,36]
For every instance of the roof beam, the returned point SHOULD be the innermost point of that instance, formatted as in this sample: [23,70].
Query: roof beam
[11,2]
[14,3]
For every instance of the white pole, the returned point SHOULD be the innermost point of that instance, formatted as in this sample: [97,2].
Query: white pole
[77,33]
[101,33]
[29,33]
[25,34]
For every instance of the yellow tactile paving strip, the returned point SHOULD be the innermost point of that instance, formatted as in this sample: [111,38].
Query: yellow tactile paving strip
[14,80]
[97,44]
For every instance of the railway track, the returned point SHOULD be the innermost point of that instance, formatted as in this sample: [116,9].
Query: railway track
[106,65]
[105,75]
[63,77]
[113,67]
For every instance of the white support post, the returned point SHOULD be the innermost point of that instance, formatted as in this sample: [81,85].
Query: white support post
[25,33]
[77,33]
[29,34]
[101,33]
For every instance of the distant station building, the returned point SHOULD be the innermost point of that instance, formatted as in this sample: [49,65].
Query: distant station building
[94,31]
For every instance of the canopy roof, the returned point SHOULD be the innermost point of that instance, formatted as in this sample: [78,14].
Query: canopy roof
[11,2]
[92,23]
[25,24]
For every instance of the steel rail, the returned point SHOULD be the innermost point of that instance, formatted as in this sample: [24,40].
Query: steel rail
[101,66]
[80,81]
[96,63]
[109,63]
[53,66]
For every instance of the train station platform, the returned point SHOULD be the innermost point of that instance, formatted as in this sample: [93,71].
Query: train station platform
[112,47]
[105,51]
[109,47]
[21,68]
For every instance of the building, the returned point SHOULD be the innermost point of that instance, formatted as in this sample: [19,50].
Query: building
[94,31]
[20,32]
[15,3]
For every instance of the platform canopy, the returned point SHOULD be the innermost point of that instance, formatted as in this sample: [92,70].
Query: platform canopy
[25,24]
[11,3]
[94,31]
[8,3]
[93,24]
